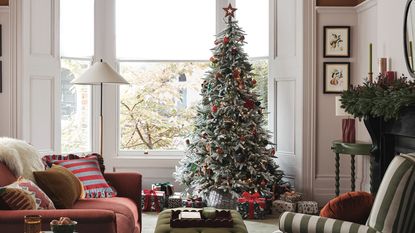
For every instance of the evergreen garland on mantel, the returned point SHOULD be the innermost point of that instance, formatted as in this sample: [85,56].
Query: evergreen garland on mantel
[384,98]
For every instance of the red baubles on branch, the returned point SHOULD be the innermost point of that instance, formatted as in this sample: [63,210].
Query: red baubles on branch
[226,40]
[214,108]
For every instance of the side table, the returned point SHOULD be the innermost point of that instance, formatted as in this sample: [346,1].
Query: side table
[352,149]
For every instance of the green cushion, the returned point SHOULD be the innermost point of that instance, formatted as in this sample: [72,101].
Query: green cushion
[163,225]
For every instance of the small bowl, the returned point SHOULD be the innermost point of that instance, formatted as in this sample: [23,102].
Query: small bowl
[67,228]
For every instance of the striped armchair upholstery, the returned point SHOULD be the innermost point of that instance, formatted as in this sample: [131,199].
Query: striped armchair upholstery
[393,210]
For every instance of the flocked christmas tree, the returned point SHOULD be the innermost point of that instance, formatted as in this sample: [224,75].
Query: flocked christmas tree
[229,150]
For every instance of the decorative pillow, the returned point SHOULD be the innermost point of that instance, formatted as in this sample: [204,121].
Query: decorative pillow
[61,186]
[88,172]
[49,159]
[352,206]
[25,195]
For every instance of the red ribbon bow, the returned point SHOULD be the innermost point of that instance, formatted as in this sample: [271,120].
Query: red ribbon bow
[252,199]
[147,200]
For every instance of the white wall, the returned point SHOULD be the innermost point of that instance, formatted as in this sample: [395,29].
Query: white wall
[6,108]
[375,21]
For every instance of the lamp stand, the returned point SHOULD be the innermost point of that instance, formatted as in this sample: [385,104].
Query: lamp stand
[101,124]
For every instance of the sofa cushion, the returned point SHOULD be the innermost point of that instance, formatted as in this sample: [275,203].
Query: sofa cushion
[124,208]
[352,206]
[25,195]
[6,176]
[60,185]
[89,173]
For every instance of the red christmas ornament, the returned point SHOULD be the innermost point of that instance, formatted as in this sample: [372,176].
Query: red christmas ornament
[254,132]
[249,104]
[273,151]
[213,59]
[236,73]
[226,40]
[214,108]
[234,50]
[263,183]
[253,81]
[219,150]
[242,138]
[242,38]
[218,75]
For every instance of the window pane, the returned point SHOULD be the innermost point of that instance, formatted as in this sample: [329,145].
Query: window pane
[157,109]
[165,29]
[75,108]
[260,70]
[77,28]
[253,17]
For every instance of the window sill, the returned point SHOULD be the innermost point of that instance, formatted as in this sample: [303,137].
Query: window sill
[152,155]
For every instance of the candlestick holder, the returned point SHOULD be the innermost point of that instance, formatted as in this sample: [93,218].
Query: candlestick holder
[370,77]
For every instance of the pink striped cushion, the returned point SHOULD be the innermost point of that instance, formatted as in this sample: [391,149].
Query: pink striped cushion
[88,172]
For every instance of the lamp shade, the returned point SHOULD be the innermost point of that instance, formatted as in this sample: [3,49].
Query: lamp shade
[339,110]
[99,73]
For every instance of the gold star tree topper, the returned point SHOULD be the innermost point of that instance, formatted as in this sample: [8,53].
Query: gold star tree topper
[230,11]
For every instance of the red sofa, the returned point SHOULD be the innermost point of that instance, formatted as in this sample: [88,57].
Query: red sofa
[121,214]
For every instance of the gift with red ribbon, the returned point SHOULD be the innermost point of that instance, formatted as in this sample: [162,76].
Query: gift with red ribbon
[251,206]
[165,187]
[194,202]
[152,200]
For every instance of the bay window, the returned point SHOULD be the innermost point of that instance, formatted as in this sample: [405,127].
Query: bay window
[162,47]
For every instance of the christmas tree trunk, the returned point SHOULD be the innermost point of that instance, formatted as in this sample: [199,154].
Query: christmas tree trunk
[229,151]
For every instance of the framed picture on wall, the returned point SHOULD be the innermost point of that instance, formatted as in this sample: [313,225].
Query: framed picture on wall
[336,41]
[336,77]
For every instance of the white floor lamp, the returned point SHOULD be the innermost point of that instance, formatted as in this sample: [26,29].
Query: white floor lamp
[98,74]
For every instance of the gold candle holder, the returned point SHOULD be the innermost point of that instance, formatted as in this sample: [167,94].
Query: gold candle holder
[370,77]
[32,224]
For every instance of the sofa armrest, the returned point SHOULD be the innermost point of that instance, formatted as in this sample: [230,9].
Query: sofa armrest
[127,184]
[82,216]
[304,223]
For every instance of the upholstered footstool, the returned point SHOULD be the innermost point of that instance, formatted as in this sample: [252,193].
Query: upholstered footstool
[163,225]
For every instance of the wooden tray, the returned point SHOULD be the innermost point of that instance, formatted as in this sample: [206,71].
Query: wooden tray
[223,219]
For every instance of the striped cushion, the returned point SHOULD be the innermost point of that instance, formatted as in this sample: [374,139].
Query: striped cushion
[303,223]
[88,172]
[393,209]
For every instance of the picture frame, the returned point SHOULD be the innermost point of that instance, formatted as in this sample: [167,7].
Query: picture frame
[336,77]
[336,41]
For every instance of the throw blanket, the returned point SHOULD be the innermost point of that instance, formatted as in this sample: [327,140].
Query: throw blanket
[20,157]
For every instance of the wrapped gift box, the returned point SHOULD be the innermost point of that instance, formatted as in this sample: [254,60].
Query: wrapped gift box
[152,200]
[195,202]
[165,187]
[292,197]
[282,206]
[268,205]
[307,207]
[251,206]
[175,201]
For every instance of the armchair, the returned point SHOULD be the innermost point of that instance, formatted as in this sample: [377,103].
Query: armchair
[393,210]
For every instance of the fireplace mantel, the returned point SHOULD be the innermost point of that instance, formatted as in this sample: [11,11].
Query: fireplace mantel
[390,138]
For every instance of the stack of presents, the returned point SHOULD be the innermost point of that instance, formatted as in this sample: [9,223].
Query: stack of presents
[250,205]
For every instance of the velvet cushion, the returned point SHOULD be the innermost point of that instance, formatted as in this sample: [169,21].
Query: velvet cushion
[25,195]
[352,206]
[60,185]
[89,173]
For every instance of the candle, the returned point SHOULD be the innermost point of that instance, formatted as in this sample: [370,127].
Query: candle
[370,58]
[389,64]
[382,65]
